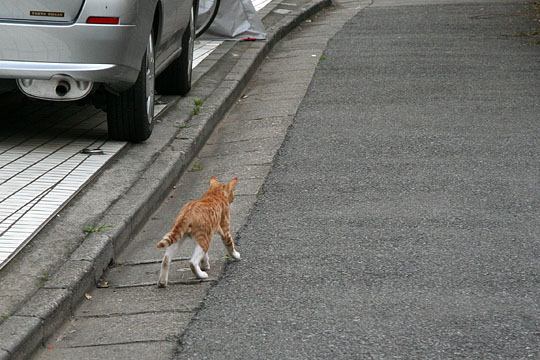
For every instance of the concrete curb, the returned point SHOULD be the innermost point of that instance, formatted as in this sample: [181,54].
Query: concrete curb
[52,304]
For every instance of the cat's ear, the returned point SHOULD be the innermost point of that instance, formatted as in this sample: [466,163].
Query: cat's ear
[214,181]
[232,184]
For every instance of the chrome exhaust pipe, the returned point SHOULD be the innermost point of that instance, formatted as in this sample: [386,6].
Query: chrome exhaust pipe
[62,88]
[57,88]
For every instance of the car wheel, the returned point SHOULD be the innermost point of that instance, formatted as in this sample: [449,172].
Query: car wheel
[130,114]
[176,78]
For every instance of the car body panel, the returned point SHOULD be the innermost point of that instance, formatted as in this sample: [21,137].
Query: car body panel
[109,54]
[39,10]
[100,73]
[174,22]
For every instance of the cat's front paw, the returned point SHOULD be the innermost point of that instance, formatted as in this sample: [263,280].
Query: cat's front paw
[201,275]
[236,255]
[205,263]
[161,284]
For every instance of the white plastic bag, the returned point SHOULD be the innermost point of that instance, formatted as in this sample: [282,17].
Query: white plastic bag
[236,19]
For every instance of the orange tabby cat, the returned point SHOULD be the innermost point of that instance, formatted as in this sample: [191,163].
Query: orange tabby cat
[200,219]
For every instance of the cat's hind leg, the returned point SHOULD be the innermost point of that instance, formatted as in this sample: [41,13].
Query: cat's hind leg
[195,261]
[202,241]
[166,263]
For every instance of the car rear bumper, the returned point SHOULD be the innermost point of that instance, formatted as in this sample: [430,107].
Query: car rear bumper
[117,76]
[108,54]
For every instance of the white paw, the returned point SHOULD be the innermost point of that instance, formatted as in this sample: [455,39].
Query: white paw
[236,255]
[202,275]
[162,280]
[198,272]
[205,266]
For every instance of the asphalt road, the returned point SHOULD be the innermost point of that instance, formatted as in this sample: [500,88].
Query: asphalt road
[400,218]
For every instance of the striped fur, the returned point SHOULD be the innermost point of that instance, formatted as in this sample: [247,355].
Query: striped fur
[177,232]
[200,219]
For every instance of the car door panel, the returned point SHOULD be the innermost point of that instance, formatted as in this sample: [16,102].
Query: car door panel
[175,19]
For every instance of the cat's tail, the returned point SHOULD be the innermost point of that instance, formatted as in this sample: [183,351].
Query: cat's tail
[177,232]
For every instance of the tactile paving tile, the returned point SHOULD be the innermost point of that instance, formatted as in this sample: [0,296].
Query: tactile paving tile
[259,4]
[202,49]
[43,168]
[40,171]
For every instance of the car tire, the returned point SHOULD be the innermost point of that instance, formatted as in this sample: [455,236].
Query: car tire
[130,114]
[176,78]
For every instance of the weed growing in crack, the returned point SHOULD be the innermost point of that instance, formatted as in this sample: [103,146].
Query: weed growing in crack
[197,166]
[197,104]
[90,229]
[44,277]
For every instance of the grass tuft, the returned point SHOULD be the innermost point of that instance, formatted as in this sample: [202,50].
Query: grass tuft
[197,166]
[44,277]
[90,229]
[197,104]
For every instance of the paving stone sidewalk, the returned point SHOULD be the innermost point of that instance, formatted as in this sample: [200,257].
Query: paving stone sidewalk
[44,284]
[132,318]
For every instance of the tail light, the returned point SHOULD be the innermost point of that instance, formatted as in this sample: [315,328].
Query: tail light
[103,20]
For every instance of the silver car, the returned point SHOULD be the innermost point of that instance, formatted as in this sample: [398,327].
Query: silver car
[65,50]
